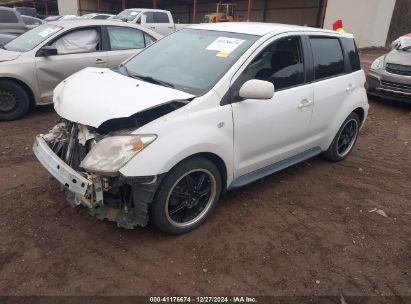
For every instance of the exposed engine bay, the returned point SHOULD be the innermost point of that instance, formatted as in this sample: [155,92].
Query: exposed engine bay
[110,197]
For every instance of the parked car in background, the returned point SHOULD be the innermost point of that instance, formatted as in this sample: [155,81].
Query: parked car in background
[209,108]
[6,38]
[97,16]
[390,74]
[33,64]
[28,11]
[160,21]
[52,18]
[11,22]
[32,22]
[69,17]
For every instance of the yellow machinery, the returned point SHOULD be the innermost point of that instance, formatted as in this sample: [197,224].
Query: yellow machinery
[226,12]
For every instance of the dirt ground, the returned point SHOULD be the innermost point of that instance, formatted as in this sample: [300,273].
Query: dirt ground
[307,230]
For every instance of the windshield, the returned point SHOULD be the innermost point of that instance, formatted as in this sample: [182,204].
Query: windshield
[128,15]
[29,40]
[403,43]
[190,60]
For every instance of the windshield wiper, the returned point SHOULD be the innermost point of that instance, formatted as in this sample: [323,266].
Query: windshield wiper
[146,78]
[123,66]
[153,80]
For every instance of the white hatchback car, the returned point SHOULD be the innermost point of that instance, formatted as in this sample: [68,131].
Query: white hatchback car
[207,109]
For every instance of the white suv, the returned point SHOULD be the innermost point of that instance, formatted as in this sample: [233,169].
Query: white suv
[207,109]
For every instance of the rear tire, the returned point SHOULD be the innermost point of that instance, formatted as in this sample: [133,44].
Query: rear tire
[186,197]
[345,139]
[14,100]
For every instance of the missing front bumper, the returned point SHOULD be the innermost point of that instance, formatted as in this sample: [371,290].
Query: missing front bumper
[68,177]
[128,206]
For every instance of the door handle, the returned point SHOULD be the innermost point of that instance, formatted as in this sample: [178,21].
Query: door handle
[170,27]
[305,103]
[152,27]
[100,61]
[349,89]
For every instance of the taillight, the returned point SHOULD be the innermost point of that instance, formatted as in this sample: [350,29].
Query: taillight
[366,85]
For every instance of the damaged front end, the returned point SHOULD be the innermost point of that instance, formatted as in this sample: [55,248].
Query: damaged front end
[84,160]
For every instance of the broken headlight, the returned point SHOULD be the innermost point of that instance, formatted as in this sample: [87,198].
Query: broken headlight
[112,153]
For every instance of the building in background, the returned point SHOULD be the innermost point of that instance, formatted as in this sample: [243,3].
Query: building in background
[401,20]
[43,7]
[368,20]
[373,22]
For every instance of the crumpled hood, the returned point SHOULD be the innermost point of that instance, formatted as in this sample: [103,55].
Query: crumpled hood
[399,57]
[93,96]
[6,55]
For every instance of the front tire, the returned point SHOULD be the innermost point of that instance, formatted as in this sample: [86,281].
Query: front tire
[345,139]
[186,197]
[14,101]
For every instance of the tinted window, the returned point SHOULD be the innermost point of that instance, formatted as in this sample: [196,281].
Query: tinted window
[124,38]
[281,63]
[149,17]
[328,57]
[352,51]
[161,18]
[8,17]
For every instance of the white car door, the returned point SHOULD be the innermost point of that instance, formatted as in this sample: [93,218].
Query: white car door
[269,131]
[332,86]
[125,42]
[163,22]
[158,22]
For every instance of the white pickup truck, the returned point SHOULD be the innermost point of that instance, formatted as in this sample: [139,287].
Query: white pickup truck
[160,21]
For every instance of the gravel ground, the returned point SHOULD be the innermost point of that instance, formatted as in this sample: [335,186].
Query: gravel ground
[307,230]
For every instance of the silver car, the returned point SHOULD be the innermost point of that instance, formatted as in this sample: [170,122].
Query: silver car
[33,64]
[390,74]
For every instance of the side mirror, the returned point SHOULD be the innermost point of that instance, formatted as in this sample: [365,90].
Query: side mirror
[143,19]
[257,89]
[48,51]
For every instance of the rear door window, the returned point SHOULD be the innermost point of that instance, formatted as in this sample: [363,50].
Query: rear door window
[124,38]
[352,51]
[328,57]
[149,17]
[161,18]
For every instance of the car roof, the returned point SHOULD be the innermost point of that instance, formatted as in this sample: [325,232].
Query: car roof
[73,23]
[145,9]
[259,28]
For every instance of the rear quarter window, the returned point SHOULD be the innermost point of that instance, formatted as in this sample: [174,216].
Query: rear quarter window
[328,57]
[352,52]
